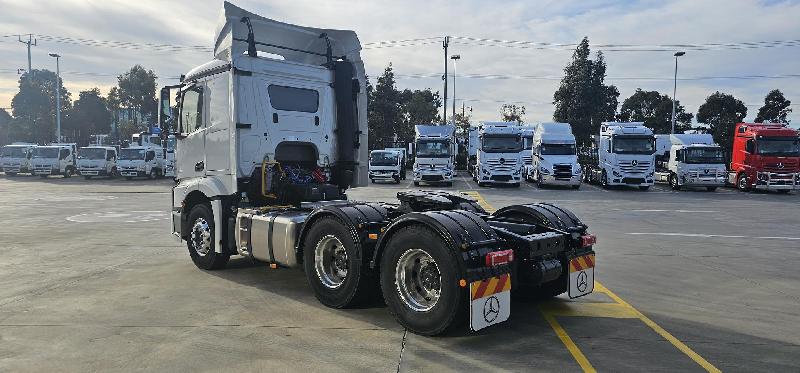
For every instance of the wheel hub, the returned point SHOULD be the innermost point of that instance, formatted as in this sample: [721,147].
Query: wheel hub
[331,261]
[418,280]
[201,237]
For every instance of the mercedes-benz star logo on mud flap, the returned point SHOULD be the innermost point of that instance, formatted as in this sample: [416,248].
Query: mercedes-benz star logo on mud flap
[582,283]
[491,309]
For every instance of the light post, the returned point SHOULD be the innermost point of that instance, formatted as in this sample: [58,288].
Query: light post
[58,97]
[455,59]
[675,89]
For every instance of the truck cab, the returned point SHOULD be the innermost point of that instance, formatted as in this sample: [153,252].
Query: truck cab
[54,159]
[16,158]
[690,160]
[434,154]
[765,156]
[141,161]
[499,160]
[97,161]
[623,154]
[527,144]
[555,157]
[386,165]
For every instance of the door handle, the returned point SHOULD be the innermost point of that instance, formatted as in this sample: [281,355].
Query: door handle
[199,166]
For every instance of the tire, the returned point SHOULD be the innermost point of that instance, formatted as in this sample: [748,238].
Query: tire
[604,180]
[576,187]
[153,174]
[113,174]
[539,182]
[742,183]
[343,280]
[416,183]
[68,172]
[673,182]
[425,313]
[200,241]
[644,188]
[128,177]
[372,181]
[711,189]
[397,180]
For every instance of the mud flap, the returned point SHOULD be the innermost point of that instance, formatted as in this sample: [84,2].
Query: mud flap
[490,301]
[581,276]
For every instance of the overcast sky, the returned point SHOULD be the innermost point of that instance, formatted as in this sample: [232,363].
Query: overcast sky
[646,24]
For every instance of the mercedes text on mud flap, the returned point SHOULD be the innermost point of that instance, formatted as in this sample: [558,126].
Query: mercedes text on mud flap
[766,156]
[54,159]
[97,161]
[623,154]
[16,158]
[263,176]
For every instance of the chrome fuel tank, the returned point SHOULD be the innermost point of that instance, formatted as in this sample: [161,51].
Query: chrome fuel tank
[269,236]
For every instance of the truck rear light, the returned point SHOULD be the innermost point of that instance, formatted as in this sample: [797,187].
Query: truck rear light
[588,240]
[499,257]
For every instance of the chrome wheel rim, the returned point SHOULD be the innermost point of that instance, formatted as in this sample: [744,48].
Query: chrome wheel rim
[331,262]
[743,182]
[201,237]
[418,280]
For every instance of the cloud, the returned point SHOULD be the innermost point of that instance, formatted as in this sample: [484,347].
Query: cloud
[604,22]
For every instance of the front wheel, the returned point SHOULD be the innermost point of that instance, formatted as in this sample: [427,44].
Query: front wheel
[68,172]
[604,180]
[334,266]
[742,183]
[201,239]
[673,182]
[416,183]
[419,280]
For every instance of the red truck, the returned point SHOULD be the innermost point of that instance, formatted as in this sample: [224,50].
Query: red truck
[766,156]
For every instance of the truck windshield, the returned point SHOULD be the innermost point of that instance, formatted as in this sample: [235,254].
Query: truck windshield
[12,152]
[92,153]
[705,155]
[501,144]
[527,142]
[787,147]
[131,154]
[433,148]
[634,145]
[45,153]
[558,149]
[383,159]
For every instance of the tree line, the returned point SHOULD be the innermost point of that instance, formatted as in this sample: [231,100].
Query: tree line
[129,107]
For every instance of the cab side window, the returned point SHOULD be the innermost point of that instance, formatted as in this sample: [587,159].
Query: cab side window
[150,155]
[192,110]
[749,146]
[63,154]
[110,155]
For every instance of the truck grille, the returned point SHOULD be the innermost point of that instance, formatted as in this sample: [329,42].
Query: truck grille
[562,171]
[508,166]
[639,168]
[527,159]
[788,166]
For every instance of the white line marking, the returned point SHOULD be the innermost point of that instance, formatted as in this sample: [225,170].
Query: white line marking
[712,236]
[467,182]
[657,210]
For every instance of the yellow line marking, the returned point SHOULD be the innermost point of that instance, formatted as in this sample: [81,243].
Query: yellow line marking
[596,309]
[567,341]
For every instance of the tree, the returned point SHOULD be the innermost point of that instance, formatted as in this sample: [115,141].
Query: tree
[775,109]
[136,90]
[418,107]
[655,110]
[5,124]
[463,121]
[384,110]
[512,113]
[90,115]
[721,112]
[128,127]
[34,106]
[582,99]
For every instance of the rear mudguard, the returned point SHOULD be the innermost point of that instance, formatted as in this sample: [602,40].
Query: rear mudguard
[361,219]
[467,235]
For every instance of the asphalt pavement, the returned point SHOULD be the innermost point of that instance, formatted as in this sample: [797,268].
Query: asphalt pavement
[686,281]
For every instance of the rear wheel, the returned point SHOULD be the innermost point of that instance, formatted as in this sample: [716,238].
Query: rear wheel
[334,267]
[201,239]
[419,280]
[742,183]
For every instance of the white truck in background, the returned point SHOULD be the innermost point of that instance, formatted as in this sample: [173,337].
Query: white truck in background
[267,148]
[169,156]
[54,159]
[141,161]
[555,157]
[385,165]
[434,154]
[499,160]
[622,154]
[690,160]
[527,143]
[16,158]
[97,160]
[473,143]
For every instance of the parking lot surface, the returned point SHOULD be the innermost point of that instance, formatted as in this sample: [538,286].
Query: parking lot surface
[686,281]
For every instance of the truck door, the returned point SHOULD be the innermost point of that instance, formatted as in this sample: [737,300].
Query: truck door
[190,151]
[218,139]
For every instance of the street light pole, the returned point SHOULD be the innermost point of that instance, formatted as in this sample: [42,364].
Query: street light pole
[58,96]
[455,59]
[675,89]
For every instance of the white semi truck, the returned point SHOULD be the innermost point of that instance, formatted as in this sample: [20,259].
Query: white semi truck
[97,161]
[527,132]
[555,157]
[385,165]
[690,160]
[622,154]
[434,154]
[16,158]
[54,159]
[262,169]
[499,160]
